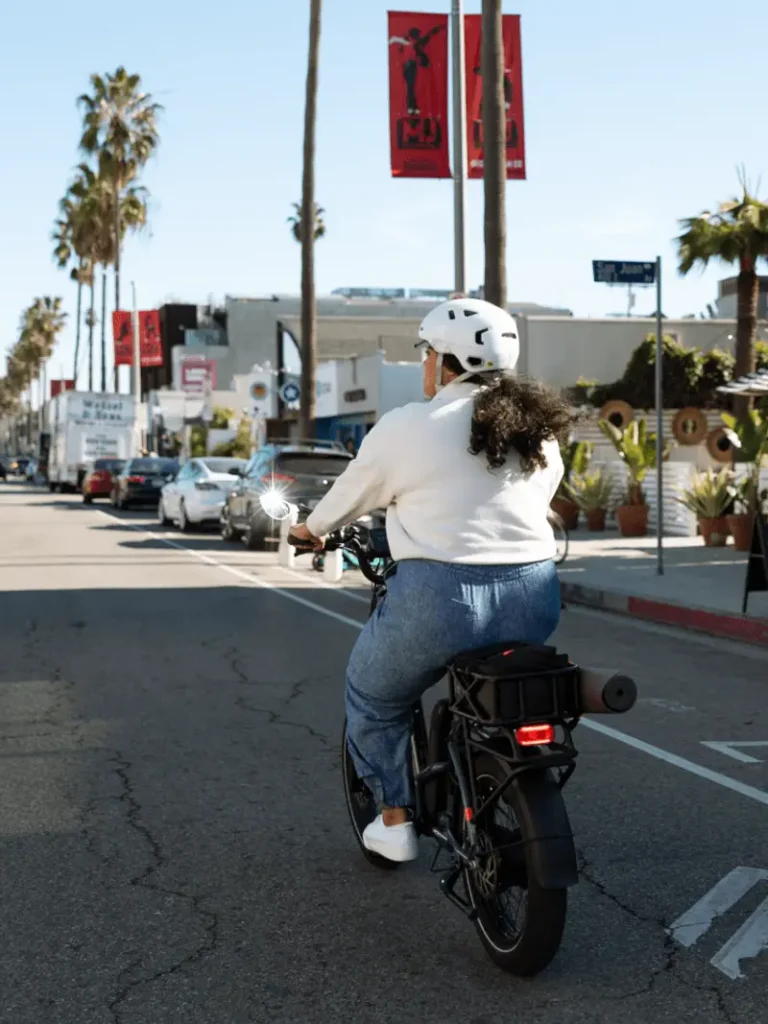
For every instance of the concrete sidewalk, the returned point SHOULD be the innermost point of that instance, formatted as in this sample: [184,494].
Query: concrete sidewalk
[701,589]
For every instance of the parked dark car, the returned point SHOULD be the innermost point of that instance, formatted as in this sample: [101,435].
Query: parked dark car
[99,480]
[302,471]
[140,480]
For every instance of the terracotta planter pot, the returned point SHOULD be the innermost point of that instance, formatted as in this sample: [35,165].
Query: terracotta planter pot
[632,520]
[714,532]
[741,528]
[595,519]
[568,512]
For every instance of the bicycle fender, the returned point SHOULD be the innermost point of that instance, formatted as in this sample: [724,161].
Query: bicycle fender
[543,817]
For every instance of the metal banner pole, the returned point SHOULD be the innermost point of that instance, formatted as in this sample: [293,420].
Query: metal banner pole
[459,144]
[659,427]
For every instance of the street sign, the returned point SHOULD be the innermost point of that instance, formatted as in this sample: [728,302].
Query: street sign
[748,941]
[623,272]
[290,392]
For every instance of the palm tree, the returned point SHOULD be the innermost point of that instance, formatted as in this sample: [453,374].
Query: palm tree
[494,153]
[120,128]
[65,250]
[295,222]
[736,233]
[307,230]
[91,198]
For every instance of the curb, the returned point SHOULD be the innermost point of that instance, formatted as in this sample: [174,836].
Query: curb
[699,620]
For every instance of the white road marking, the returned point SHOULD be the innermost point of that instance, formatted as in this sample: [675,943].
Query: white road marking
[344,591]
[759,795]
[691,925]
[749,941]
[730,749]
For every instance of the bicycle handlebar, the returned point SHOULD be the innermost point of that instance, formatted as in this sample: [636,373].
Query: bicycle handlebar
[348,538]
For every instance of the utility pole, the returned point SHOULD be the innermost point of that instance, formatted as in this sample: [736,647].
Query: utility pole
[494,153]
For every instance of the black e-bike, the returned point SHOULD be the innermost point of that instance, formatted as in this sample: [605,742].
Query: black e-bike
[489,769]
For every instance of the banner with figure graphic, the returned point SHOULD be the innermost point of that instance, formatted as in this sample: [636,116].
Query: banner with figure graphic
[513,95]
[150,339]
[418,95]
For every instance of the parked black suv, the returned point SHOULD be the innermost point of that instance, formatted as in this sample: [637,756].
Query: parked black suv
[301,470]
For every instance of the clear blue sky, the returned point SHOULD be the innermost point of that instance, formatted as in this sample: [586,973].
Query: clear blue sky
[636,115]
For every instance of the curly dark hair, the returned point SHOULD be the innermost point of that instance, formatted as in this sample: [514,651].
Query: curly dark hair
[514,413]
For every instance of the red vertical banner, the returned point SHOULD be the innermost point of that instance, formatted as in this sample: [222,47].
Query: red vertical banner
[57,386]
[149,338]
[122,332]
[513,96]
[418,95]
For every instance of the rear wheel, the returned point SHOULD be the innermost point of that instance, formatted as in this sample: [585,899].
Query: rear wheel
[520,924]
[87,499]
[162,514]
[361,805]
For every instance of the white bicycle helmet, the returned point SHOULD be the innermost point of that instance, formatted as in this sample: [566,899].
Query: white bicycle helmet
[481,336]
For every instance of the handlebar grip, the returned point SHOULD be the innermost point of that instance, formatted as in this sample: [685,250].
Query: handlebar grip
[605,692]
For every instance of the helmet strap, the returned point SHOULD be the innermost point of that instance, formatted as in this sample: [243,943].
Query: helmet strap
[439,375]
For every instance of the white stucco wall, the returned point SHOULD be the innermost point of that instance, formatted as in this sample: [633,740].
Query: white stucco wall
[559,350]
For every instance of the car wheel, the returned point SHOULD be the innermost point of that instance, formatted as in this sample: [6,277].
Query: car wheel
[228,532]
[255,538]
[184,524]
[87,499]
[161,515]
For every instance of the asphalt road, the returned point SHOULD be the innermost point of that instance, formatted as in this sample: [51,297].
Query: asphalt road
[174,843]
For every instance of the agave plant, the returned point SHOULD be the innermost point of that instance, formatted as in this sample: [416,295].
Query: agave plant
[709,495]
[577,456]
[591,490]
[637,450]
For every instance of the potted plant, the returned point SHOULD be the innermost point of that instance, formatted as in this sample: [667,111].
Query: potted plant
[591,491]
[637,450]
[708,497]
[749,437]
[576,458]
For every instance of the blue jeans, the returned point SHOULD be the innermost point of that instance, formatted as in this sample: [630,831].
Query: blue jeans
[432,612]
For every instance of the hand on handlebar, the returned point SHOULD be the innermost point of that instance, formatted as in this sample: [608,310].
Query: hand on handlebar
[301,537]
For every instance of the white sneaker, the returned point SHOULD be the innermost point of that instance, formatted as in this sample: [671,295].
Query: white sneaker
[395,842]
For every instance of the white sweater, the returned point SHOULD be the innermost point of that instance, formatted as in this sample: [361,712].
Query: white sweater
[442,502]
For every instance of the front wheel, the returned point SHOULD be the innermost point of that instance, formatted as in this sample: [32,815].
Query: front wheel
[519,923]
[562,539]
[361,805]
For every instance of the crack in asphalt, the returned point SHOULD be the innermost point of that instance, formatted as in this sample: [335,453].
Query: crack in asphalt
[671,951]
[274,718]
[157,859]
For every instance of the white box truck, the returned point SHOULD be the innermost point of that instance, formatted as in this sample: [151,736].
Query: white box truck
[86,426]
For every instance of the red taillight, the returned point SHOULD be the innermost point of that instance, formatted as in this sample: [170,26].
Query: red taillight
[135,479]
[277,478]
[535,735]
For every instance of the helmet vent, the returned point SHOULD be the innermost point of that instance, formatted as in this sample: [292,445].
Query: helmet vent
[510,334]
[475,361]
[451,315]
[479,336]
[470,312]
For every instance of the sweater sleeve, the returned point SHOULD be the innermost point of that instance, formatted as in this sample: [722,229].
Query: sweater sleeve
[367,482]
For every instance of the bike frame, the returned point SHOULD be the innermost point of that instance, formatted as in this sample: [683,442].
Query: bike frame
[546,772]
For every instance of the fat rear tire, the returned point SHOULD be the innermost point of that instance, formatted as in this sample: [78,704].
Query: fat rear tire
[541,933]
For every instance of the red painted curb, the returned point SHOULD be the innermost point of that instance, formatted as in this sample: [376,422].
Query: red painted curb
[752,631]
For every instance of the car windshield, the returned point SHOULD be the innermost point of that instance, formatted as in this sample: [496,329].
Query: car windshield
[311,463]
[223,465]
[111,465]
[158,467]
